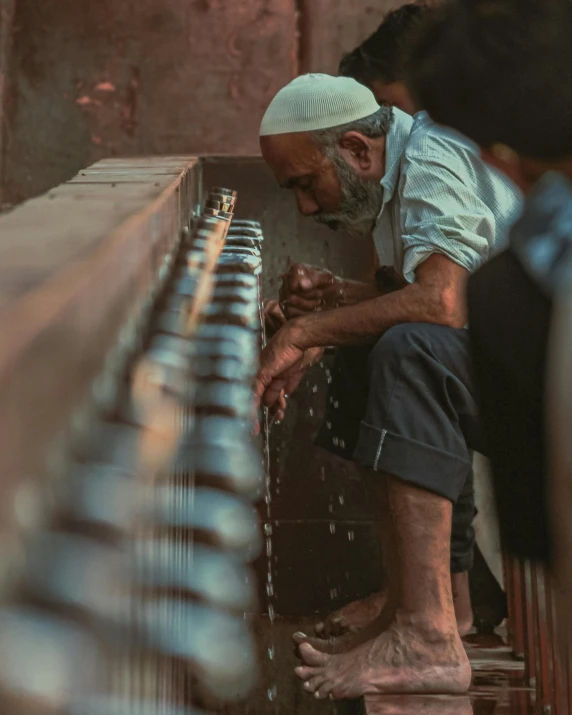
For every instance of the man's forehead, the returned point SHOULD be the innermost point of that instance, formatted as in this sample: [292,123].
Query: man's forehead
[291,155]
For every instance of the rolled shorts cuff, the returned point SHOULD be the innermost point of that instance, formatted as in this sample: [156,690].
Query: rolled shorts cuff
[464,563]
[420,464]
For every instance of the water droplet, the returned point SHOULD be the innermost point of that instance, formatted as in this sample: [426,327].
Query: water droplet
[269,590]
[271,652]
[341,499]
[332,528]
[333,593]
[314,388]
[328,425]
[268,529]
[272,692]
[336,441]
[342,444]
[311,411]
[329,380]
[351,536]
[271,613]
[336,405]
[268,547]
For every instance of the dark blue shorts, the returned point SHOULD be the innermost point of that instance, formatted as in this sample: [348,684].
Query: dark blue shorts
[405,406]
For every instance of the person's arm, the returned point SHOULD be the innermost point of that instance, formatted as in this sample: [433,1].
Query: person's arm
[307,289]
[436,296]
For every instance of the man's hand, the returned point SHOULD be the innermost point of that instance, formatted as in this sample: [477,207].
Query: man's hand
[282,365]
[307,288]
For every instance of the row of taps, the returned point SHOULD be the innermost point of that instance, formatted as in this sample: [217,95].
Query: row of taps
[133,594]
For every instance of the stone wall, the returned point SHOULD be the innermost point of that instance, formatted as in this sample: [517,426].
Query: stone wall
[80,81]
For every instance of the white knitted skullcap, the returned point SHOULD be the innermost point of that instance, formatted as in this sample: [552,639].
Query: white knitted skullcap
[317,101]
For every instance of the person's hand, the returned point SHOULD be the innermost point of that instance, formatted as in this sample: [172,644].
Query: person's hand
[306,289]
[282,365]
[273,316]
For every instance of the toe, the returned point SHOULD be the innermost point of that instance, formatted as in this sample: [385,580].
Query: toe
[324,691]
[320,644]
[313,684]
[311,656]
[305,673]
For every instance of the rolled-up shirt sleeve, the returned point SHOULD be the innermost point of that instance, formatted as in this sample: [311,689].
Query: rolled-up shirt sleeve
[440,213]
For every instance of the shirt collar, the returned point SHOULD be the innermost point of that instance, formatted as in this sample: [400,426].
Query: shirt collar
[395,144]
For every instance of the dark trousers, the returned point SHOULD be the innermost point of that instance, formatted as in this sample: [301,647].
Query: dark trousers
[405,406]
[510,332]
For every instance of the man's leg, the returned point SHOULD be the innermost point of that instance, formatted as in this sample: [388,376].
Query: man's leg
[347,404]
[363,619]
[462,554]
[419,415]
[421,651]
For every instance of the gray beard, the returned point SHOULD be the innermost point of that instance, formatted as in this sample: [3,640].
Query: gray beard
[360,204]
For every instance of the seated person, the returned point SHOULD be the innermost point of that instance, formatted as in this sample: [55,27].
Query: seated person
[437,212]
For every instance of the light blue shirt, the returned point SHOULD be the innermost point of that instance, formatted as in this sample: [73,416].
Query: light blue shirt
[439,196]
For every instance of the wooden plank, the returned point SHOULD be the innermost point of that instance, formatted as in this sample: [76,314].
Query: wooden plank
[559,418]
[79,271]
[515,589]
[530,633]
[544,664]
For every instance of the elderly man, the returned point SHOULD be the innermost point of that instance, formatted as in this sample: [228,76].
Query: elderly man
[437,213]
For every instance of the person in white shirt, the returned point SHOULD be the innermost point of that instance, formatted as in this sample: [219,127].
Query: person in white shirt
[437,213]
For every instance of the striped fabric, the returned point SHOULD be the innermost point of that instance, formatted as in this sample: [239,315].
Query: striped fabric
[440,197]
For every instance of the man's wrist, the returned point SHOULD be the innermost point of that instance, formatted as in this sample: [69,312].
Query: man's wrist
[301,331]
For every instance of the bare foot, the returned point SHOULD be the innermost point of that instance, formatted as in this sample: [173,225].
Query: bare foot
[360,615]
[405,658]
[352,618]
[352,638]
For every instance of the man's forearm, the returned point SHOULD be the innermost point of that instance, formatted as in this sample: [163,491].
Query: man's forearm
[352,292]
[369,319]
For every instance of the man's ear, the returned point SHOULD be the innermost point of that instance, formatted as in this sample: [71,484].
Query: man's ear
[357,150]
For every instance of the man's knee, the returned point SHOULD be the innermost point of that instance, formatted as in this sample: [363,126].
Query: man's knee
[399,342]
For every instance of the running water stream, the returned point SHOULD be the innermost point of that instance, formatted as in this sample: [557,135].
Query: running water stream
[273,683]
[271,650]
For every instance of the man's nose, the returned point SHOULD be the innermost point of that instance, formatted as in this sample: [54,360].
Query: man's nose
[307,205]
